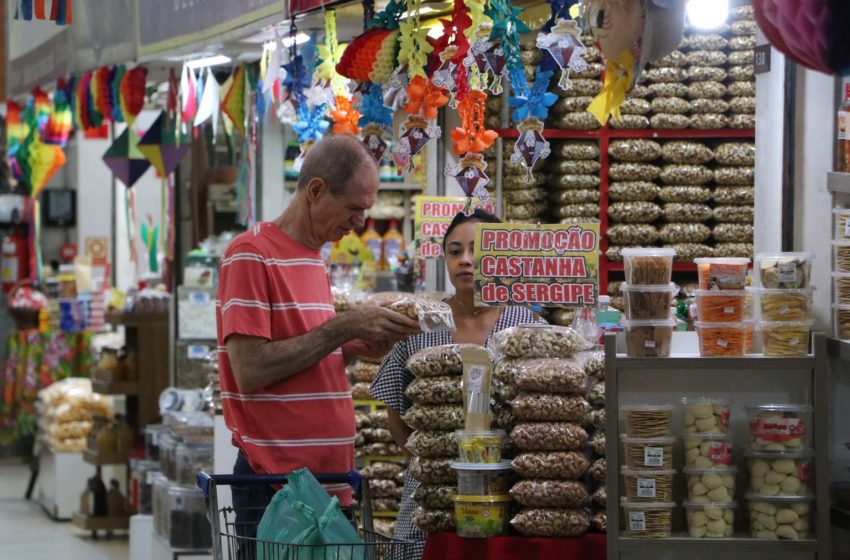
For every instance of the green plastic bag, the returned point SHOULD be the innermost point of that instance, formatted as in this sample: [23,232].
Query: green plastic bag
[303,514]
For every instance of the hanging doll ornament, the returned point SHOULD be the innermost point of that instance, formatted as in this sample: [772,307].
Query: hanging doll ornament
[470,175]
[530,109]
[488,59]
[415,135]
[530,146]
[564,44]
[470,139]
[374,137]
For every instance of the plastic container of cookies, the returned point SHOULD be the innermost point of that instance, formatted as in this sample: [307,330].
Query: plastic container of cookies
[706,415]
[648,454]
[780,517]
[710,520]
[648,420]
[648,486]
[647,520]
[779,427]
[780,473]
[707,450]
[714,484]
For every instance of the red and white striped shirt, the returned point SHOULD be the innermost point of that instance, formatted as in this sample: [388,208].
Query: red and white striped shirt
[275,288]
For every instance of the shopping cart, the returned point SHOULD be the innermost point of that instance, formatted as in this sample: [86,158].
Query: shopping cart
[375,546]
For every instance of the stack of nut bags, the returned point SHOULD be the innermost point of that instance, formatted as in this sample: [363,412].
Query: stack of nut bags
[710,507]
[573,185]
[779,464]
[593,362]
[386,484]
[548,410]
[648,473]
[570,111]
[741,84]
[361,373]
[734,195]
[437,412]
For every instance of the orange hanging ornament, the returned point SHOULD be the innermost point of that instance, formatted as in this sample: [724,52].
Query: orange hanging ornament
[345,117]
[425,98]
[472,136]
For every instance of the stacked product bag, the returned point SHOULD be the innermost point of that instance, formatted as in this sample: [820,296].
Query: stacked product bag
[785,302]
[734,196]
[573,186]
[779,464]
[66,410]
[724,307]
[386,483]
[593,362]
[437,413]
[548,436]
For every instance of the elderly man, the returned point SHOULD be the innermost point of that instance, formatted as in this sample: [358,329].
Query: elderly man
[281,347]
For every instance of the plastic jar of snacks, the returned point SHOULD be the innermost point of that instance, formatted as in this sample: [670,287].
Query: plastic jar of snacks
[706,415]
[720,306]
[708,450]
[649,302]
[786,339]
[648,486]
[647,454]
[714,484]
[779,427]
[482,516]
[710,520]
[722,273]
[842,321]
[480,447]
[841,255]
[780,517]
[483,479]
[841,287]
[649,338]
[789,271]
[650,520]
[786,305]
[648,420]
[779,473]
[722,339]
[841,217]
[648,266]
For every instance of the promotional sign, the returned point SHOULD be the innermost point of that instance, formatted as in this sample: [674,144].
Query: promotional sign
[551,265]
[433,216]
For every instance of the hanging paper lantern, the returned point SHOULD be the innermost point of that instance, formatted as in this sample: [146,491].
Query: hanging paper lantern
[133,93]
[82,118]
[101,86]
[233,104]
[370,57]
[38,162]
[115,92]
[189,95]
[60,122]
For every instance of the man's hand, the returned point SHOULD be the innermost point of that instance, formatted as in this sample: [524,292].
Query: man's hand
[367,349]
[371,323]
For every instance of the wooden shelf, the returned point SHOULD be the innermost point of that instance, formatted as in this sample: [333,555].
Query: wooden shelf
[91,457]
[555,133]
[88,523]
[136,319]
[739,542]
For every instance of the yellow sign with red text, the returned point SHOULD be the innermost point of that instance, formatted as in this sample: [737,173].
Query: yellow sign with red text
[433,216]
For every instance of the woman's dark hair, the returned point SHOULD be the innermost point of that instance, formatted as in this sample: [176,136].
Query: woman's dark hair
[478,216]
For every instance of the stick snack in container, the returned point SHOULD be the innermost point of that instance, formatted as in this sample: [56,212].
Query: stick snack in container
[649,302]
[722,339]
[786,339]
[785,305]
[722,273]
[648,266]
[651,338]
[650,520]
[721,306]
[477,384]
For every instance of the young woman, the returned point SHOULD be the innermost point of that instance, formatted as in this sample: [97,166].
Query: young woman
[474,325]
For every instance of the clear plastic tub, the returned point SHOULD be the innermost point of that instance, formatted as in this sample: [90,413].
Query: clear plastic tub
[648,454]
[649,302]
[168,455]
[711,520]
[779,427]
[841,256]
[648,266]
[780,474]
[482,479]
[780,517]
[648,486]
[721,306]
[480,447]
[648,520]
[140,491]
[841,288]
[708,450]
[841,217]
[482,516]
[786,339]
[723,339]
[842,321]
[715,484]
[788,271]
[648,339]
[648,420]
[785,305]
[153,433]
[187,518]
[706,415]
[193,458]
[722,273]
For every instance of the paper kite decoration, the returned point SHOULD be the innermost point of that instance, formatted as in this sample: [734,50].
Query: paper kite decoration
[125,160]
[162,146]
[233,103]
[60,11]
[470,175]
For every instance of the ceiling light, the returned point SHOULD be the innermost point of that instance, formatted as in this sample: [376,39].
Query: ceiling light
[707,14]
[300,38]
[208,61]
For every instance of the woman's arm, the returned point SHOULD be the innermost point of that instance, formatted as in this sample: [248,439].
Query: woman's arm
[399,430]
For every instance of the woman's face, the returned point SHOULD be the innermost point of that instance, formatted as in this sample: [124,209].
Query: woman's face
[459,249]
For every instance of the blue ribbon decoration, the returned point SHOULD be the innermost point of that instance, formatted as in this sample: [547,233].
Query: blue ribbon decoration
[534,102]
[373,110]
[311,125]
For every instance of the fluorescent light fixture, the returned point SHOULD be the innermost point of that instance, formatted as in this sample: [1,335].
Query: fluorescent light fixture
[208,61]
[300,38]
[422,11]
[707,14]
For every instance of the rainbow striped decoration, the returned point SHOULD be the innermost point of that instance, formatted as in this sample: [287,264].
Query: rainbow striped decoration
[60,10]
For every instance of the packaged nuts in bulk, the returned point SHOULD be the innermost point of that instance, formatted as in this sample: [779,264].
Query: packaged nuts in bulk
[433,315]
[634,150]
[574,167]
[563,182]
[670,105]
[675,58]
[596,419]
[435,390]
[434,496]
[714,484]
[684,233]
[668,89]
[577,150]
[669,121]
[686,152]
[708,41]
[593,362]
[707,74]
[493,122]
[633,171]
[702,106]
[706,58]
[494,103]
[563,317]
[779,427]
[736,153]
[711,90]
[533,341]
[640,91]
[576,210]
[597,442]
[591,53]
[734,214]
[743,27]
[548,436]
[542,522]
[384,489]
[742,12]
[386,504]
[617,302]
[438,360]
[546,375]
[432,471]
[743,105]
[740,73]
[709,121]
[666,74]
[598,470]
[518,170]
[685,174]
[571,105]
[377,435]
[364,372]
[524,211]
[549,407]
[593,71]
[630,122]
[379,450]
[707,450]
[581,87]
[686,212]
[742,120]
[647,454]
[779,517]
[531,57]
[599,521]
[740,58]
[614,252]
[746,88]
[580,120]
[432,445]
[434,520]
[360,391]
[596,395]
[634,106]
[648,486]
[734,195]
[634,212]
[382,470]
[631,191]
[434,417]
[550,493]
[524,196]
[575,197]
[520,182]
[685,193]
[780,474]
[742,42]
[687,252]
[632,234]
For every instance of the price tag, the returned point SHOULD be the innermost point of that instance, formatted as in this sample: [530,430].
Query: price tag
[653,456]
[787,272]
[649,344]
[637,521]
[646,487]
[722,343]
[728,310]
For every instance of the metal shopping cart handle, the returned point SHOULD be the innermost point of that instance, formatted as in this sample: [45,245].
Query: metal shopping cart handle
[352,478]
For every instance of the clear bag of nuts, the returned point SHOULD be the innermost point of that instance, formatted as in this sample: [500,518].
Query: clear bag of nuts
[736,153]
[740,73]
[742,120]
[708,41]
[597,442]
[703,106]
[577,196]
[687,252]
[434,520]
[686,152]
[577,150]
[740,58]
[537,341]
[686,212]
[706,58]
[432,445]
[670,105]
[434,496]
[743,27]
[675,58]
[734,195]
[433,471]
[634,150]
[742,42]
[641,91]
[634,212]
[635,106]
[668,89]
[669,121]
[633,191]
[524,211]
[734,214]
[585,209]
[712,90]
[684,233]
[744,250]
[629,122]
[574,167]
[438,360]
[524,196]
[743,105]
[593,70]
[746,88]
[564,182]
[633,234]
[571,105]
[665,74]
[550,493]
[561,465]
[685,174]
[579,120]
[580,87]
[434,417]
[552,407]
[706,74]
[547,375]
[709,121]
[548,436]
[546,522]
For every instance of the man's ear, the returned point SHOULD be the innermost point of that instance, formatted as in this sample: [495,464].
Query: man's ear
[315,189]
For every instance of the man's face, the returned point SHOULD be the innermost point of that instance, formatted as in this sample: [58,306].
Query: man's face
[334,216]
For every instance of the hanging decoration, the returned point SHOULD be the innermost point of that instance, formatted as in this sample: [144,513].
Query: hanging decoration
[188,95]
[470,139]
[210,103]
[371,56]
[233,104]
[451,49]
[375,120]
[163,146]
[132,90]
[60,11]
[425,99]
[125,159]
[115,92]
[486,61]
[59,124]
[330,54]
[564,47]
[150,237]
[345,117]
[414,46]
[101,87]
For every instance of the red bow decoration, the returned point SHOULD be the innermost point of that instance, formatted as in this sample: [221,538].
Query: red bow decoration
[345,117]
[425,98]
[453,35]
[472,136]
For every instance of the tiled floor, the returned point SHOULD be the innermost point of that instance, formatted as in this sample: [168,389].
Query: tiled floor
[27,532]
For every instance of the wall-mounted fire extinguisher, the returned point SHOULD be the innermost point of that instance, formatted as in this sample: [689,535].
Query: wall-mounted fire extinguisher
[15,261]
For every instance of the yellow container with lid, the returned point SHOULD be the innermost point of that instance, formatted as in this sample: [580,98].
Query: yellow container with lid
[482,516]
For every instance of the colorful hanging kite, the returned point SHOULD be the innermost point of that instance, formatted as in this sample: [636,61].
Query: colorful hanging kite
[470,139]
[60,11]
[125,160]
[233,104]
[163,146]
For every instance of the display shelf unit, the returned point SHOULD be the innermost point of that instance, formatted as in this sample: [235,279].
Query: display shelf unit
[92,457]
[94,524]
[604,135]
[748,380]
[101,382]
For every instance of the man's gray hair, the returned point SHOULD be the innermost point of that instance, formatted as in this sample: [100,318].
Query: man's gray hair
[335,160]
